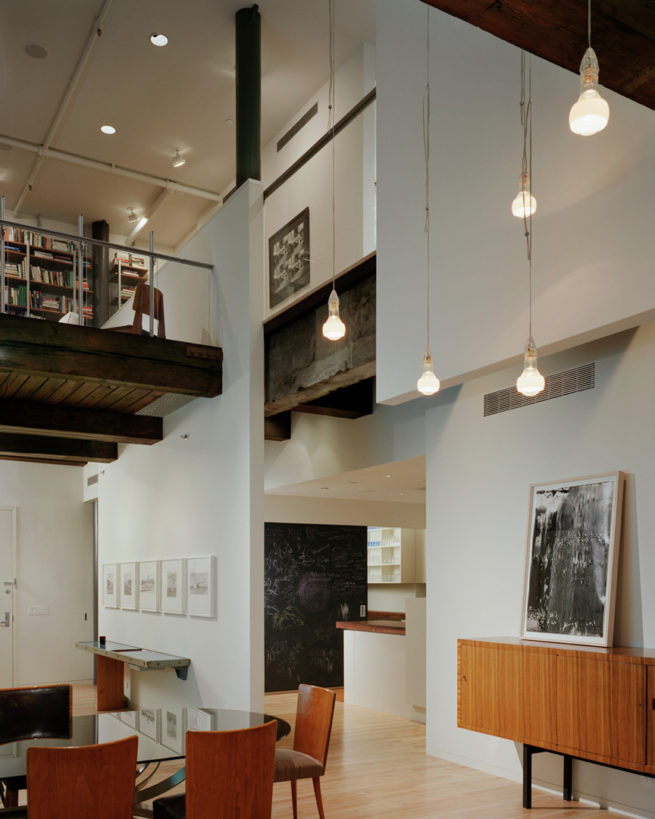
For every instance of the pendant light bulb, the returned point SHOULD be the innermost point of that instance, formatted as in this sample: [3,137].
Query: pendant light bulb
[524,203]
[591,113]
[428,383]
[333,327]
[531,382]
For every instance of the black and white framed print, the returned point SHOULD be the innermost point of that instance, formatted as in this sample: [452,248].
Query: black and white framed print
[128,585]
[149,585]
[200,585]
[572,560]
[110,592]
[172,586]
[288,258]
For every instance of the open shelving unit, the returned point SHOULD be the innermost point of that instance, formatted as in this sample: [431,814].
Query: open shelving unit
[390,554]
[124,275]
[42,276]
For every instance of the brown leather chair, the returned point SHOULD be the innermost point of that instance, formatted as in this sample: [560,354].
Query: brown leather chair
[29,713]
[141,305]
[311,739]
[229,775]
[85,782]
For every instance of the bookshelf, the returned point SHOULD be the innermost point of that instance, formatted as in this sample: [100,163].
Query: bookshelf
[390,554]
[124,275]
[41,271]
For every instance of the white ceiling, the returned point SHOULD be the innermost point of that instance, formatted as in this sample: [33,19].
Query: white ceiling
[159,99]
[400,482]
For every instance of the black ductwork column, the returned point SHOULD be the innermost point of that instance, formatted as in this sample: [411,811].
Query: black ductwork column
[248,94]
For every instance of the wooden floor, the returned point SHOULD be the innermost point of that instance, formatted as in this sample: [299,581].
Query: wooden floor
[377,767]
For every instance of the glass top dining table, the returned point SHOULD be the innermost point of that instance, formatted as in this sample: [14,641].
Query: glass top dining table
[161,733]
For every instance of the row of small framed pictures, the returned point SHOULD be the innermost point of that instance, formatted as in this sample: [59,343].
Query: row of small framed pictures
[178,586]
[168,725]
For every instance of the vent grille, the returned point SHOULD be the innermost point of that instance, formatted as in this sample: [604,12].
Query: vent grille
[557,385]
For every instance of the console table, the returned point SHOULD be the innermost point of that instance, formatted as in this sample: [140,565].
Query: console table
[112,659]
[588,703]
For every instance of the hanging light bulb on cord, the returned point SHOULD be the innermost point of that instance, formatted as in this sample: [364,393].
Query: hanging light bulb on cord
[428,383]
[333,327]
[524,203]
[591,113]
[531,382]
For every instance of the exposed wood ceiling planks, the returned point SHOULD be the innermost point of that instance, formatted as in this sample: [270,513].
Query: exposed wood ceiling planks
[622,34]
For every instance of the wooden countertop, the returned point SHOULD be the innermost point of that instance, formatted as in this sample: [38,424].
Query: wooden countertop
[381,626]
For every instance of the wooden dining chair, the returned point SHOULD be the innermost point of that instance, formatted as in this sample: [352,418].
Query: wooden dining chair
[229,775]
[311,739]
[85,782]
[29,713]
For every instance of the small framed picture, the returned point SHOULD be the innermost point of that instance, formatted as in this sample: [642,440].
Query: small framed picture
[172,586]
[288,258]
[128,585]
[199,719]
[129,718]
[149,722]
[200,585]
[572,560]
[110,595]
[149,585]
[172,729]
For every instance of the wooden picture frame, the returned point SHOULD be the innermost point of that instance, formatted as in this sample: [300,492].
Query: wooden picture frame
[172,584]
[288,259]
[110,584]
[128,585]
[200,586]
[149,585]
[572,560]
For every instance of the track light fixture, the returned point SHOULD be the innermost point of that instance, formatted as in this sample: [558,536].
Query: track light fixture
[178,159]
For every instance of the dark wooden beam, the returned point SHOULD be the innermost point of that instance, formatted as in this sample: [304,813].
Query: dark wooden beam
[277,427]
[111,358]
[354,401]
[622,35]
[55,450]
[73,422]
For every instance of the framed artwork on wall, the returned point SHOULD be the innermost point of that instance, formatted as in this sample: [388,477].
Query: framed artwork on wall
[110,594]
[172,586]
[128,585]
[572,560]
[200,585]
[149,722]
[200,719]
[288,258]
[172,729]
[149,585]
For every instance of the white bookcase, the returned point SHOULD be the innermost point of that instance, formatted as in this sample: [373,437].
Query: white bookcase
[390,555]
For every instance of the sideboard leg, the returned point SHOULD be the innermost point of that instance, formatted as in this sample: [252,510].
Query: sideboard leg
[527,777]
[568,778]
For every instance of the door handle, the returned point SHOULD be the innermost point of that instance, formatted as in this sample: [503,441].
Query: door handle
[6,622]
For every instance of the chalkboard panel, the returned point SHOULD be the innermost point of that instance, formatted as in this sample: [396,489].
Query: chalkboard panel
[313,576]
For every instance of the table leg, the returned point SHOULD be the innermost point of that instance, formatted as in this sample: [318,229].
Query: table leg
[568,779]
[527,777]
[110,683]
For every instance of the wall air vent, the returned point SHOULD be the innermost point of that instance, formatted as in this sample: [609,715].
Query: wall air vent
[297,126]
[557,385]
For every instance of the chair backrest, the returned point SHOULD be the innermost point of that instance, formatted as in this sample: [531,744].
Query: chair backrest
[37,711]
[314,721]
[78,783]
[141,306]
[229,774]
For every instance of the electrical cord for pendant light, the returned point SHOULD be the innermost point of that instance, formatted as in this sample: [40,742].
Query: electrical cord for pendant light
[333,328]
[428,383]
[531,382]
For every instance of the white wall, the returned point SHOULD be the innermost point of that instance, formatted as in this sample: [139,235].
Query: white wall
[479,470]
[311,186]
[203,494]
[593,254]
[54,567]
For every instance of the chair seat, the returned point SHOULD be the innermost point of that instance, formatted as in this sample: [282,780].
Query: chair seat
[295,765]
[169,807]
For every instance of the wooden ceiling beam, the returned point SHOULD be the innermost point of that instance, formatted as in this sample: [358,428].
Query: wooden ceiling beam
[43,448]
[622,35]
[72,422]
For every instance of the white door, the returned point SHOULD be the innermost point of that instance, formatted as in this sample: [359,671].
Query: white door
[7,575]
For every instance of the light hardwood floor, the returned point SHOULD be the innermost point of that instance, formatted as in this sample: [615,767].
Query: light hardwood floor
[377,768]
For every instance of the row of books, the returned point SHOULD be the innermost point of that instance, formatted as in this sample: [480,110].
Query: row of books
[62,278]
[14,234]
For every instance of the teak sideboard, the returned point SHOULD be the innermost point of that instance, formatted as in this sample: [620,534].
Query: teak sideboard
[589,703]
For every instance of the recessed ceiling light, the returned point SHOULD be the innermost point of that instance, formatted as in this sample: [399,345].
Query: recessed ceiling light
[178,160]
[107,129]
[159,39]
[36,51]
[229,121]
[387,476]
